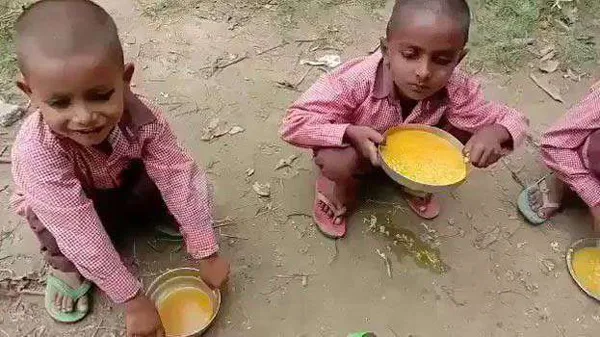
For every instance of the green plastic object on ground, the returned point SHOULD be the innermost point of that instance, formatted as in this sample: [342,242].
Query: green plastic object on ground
[362,334]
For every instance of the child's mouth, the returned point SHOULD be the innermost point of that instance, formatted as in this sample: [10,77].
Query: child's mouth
[90,131]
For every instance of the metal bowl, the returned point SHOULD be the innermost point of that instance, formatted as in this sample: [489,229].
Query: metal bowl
[575,246]
[180,278]
[413,185]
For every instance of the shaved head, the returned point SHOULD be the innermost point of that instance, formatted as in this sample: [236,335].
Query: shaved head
[64,28]
[457,10]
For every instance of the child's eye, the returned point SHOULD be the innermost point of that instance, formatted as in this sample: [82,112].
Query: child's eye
[442,60]
[102,96]
[408,54]
[59,103]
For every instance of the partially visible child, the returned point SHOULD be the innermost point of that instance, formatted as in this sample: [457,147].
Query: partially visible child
[412,80]
[571,149]
[94,160]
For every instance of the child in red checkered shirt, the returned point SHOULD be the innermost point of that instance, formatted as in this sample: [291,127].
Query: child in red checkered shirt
[571,149]
[412,80]
[94,159]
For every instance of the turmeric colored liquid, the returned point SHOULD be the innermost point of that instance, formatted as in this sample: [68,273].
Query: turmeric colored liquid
[185,311]
[424,158]
[586,265]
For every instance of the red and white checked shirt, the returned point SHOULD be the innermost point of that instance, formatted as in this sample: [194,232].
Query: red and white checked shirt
[44,170]
[565,148]
[361,92]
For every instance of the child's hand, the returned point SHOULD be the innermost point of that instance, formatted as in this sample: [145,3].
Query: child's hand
[365,141]
[214,270]
[485,146]
[142,318]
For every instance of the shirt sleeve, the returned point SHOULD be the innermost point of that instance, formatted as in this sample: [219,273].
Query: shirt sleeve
[319,118]
[470,110]
[56,196]
[184,187]
[563,148]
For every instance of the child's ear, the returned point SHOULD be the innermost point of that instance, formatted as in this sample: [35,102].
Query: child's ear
[462,55]
[383,45]
[128,72]
[22,84]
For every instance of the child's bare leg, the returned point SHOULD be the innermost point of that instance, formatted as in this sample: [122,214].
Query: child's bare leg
[61,267]
[546,196]
[337,179]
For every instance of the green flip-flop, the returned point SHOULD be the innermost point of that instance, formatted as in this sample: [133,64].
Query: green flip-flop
[55,285]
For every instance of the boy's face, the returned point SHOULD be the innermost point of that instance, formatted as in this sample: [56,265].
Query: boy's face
[422,52]
[80,97]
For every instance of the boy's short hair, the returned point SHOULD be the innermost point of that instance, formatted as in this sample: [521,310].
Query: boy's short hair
[58,28]
[455,9]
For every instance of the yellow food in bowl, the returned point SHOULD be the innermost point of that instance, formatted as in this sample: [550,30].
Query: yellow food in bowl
[424,158]
[185,311]
[586,265]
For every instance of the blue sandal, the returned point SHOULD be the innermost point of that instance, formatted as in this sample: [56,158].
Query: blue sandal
[524,204]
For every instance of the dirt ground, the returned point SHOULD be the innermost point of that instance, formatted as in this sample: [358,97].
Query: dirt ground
[505,278]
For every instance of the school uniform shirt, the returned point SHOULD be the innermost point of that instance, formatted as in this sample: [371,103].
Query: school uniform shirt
[361,92]
[566,148]
[51,172]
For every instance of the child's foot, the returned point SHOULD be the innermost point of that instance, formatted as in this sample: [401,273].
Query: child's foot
[542,200]
[329,210]
[426,207]
[64,303]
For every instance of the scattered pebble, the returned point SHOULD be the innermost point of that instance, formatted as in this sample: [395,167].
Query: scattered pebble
[263,190]
[287,162]
[249,172]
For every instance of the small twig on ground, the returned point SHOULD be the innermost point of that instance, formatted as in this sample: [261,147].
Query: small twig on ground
[335,252]
[229,236]
[5,257]
[217,66]
[293,86]
[299,214]
[514,174]
[98,327]
[294,275]
[388,265]
[3,150]
[31,292]
[309,40]
[272,48]
[392,331]
[5,161]
[3,188]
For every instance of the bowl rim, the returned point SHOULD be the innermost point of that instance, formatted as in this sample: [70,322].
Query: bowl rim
[576,245]
[413,185]
[186,271]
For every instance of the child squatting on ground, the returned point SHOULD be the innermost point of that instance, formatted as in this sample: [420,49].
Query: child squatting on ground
[571,150]
[94,160]
[413,80]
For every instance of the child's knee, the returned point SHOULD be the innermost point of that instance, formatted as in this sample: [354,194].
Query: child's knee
[338,164]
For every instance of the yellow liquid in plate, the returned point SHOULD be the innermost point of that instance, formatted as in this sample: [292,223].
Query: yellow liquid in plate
[185,311]
[586,265]
[424,158]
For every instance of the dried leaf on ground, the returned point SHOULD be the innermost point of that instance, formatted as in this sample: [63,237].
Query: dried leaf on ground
[484,240]
[287,162]
[548,88]
[549,66]
[235,130]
